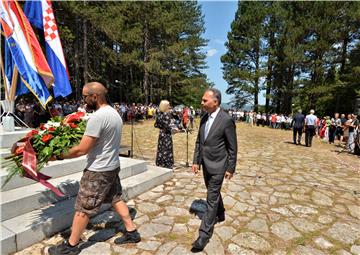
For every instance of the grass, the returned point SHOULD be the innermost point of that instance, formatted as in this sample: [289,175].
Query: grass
[182,219]
[184,238]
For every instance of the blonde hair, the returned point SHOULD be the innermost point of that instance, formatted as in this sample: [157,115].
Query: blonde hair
[164,106]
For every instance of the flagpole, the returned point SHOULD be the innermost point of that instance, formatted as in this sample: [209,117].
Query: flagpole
[14,83]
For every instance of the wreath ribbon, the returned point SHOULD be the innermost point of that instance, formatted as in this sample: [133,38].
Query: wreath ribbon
[29,164]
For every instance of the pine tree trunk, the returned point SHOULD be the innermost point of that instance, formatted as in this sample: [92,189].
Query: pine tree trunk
[170,88]
[76,61]
[287,103]
[146,59]
[269,72]
[151,92]
[85,53]
[257,71]
[342,69]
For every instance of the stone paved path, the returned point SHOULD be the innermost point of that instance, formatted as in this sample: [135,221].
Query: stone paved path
[284,199]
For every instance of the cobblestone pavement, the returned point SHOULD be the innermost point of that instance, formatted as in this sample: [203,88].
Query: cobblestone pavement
[284,199]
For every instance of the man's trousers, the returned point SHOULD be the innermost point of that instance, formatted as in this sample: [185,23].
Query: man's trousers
[214,202]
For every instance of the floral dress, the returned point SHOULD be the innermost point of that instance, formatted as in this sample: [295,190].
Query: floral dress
[164,155]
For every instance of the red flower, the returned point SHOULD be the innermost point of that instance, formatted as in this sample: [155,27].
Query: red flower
[32,133]
[80,114]
[72,125]
[46,138]
[51,129]
[73,117]
[42,127]
[19,150]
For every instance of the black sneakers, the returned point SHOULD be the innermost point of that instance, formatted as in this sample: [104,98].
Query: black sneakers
[129,237]
[64,249]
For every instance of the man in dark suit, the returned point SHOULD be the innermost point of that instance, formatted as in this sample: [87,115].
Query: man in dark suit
[298,125]
[216,151]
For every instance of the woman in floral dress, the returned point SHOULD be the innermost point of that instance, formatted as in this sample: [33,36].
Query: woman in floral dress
[164,155]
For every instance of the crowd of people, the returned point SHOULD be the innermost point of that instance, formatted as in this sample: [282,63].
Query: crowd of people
[341,129]
[32,114]
[345,129]
[278,121]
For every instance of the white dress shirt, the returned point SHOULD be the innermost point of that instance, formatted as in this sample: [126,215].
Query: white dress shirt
[210,121]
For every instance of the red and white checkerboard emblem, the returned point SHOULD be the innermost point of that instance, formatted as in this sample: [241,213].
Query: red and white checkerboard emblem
[50,28]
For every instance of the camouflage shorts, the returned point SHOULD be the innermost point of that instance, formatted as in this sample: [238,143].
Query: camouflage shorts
[97,188]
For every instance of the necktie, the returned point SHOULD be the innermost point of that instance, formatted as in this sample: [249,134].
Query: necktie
[207,126]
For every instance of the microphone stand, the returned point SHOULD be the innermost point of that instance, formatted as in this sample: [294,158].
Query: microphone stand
[132,134]
[187,148]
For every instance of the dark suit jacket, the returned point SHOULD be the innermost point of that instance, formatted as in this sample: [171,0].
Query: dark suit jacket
[298,121]
[218,152]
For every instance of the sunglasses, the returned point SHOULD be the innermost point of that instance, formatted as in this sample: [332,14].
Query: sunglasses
[85,96]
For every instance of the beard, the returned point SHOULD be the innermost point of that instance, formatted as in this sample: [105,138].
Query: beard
[90,107]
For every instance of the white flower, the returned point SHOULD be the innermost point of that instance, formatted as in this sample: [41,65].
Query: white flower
[86,116]
[52,124]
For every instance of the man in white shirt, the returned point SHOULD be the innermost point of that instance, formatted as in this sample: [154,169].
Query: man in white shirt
[216,151]
[258,119]
[310,127]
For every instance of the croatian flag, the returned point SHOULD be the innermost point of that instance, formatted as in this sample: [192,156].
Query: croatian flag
[26,51]
[9,64]
[40,14]
[8,68]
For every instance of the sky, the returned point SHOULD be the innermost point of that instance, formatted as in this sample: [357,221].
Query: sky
[218,16]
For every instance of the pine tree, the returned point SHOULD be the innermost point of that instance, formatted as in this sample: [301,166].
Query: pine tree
[143,51]
[242,62]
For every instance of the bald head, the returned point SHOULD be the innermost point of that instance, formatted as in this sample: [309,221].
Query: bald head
[96,88]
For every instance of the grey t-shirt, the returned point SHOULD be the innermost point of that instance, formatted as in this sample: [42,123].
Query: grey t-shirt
[105,124]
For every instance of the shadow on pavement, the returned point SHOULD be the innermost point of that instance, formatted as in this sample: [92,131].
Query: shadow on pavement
[198,207]
[104,229]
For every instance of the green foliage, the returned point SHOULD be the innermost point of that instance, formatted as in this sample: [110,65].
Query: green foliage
[60,135]
[242,67]
[152,49]
[308,54]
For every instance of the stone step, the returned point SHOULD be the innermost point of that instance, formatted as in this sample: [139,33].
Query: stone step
[7,139]
[4,152]
[124,150]
[31,197]
[27,229]
[8,242]
[54,169]
[138,184]
[65,167]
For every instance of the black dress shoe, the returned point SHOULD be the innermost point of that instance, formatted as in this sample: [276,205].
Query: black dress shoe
[220,218]
[199,244]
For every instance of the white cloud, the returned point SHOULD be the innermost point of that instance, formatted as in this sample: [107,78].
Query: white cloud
[211,52]
[219,41]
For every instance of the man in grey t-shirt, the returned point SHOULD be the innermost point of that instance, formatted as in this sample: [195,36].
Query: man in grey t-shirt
[106,125]
[100,181]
